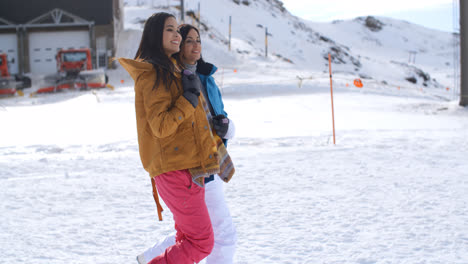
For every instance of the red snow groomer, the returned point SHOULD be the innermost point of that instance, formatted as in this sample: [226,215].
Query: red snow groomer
[9,84]
[74,70]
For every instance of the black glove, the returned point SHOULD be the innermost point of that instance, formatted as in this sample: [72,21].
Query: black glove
[221,125]
[191,86]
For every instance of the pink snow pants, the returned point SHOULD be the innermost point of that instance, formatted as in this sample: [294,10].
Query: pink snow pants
[186,200]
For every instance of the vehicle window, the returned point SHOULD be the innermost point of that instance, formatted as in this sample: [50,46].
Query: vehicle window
[74,56]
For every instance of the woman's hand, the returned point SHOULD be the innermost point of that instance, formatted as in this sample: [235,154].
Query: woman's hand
[221,125]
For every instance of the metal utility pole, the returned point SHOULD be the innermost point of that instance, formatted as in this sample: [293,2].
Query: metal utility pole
[464,53]
[229,33]
[198,15]
[331,92]
[266,42]
[412,57]
[182,12]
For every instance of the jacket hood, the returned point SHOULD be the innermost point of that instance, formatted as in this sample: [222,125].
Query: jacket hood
[134,67]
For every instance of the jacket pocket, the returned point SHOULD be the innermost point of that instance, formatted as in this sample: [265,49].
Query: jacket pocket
[150,151]
[179,150]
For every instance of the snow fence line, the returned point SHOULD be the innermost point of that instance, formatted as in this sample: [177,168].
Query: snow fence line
[340,80]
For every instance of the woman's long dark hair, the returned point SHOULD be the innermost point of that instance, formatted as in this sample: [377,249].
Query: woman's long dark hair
[151,49]
[184,29]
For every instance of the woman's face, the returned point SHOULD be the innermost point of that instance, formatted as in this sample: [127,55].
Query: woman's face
[171,37]
[191,48]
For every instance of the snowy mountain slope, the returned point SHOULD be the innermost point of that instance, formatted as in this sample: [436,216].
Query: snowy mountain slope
[290,39]
[395,43]
[356,48]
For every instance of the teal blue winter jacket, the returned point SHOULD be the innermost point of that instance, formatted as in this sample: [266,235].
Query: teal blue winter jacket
[205,72]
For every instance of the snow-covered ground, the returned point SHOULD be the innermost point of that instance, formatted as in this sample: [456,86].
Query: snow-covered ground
[392,190]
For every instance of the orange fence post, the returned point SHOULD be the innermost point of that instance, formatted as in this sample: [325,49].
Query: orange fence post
[331,91]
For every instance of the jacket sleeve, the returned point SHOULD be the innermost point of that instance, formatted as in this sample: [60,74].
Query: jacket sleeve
[221,99]
[163,116]
[215,97]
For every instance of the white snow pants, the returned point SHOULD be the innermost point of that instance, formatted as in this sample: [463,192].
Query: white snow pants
[225,236]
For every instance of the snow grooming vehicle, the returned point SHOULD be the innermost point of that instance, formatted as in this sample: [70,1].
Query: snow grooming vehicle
[10,84]
[74,71]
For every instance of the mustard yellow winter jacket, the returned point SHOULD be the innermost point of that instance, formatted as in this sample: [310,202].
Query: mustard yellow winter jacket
[172,134]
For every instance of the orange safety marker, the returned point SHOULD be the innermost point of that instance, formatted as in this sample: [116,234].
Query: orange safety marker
[448,89]
[235,70]
[121,81]
[331,91]
[358,83]
[347,84]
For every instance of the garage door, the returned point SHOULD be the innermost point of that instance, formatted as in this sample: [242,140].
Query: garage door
[9,45]
[43,46]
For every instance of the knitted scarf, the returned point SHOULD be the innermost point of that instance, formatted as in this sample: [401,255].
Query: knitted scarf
[222,164]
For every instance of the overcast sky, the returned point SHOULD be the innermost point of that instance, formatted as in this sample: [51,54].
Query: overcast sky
[436,14]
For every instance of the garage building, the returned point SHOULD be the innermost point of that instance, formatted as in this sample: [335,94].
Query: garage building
[32,31]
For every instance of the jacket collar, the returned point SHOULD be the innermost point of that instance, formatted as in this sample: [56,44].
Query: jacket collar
[206,68]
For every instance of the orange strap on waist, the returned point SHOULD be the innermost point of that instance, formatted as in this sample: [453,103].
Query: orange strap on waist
[156,199]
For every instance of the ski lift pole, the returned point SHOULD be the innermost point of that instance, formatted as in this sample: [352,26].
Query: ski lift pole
[266,42]
[229,33]
[198,15]
[331,92]
[182,11]
[463,53]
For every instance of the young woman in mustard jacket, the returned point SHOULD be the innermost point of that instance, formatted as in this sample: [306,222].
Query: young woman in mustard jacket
[225,236]
[177,145]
